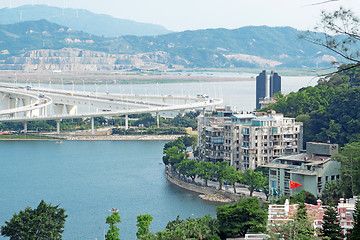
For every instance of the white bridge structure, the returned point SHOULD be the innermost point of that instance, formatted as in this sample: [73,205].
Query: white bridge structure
[25,103]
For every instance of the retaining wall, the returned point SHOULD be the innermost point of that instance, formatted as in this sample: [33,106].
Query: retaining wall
[199,189]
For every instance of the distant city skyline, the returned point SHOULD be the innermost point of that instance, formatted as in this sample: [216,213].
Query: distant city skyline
[182,15]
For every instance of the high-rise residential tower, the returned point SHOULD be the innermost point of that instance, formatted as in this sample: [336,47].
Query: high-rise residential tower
[275,83]
[264,90]
[260,88]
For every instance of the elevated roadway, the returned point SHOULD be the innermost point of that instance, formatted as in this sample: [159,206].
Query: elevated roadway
[23,104]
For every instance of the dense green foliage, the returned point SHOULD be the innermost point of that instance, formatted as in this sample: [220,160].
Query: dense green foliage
[254,180]
[188,120]
[203,228]
[331,225]
[333,191]
[355,232]
[176,156]
[143,223]
[44,222]
[246,215]
[113,232]
[301,197]
[349,156]
[175,150]
[329,111]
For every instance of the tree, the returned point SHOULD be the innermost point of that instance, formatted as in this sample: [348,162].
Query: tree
[233,176]
[204,228]
[253,179]
[302,226]
[331,225]
[113,232]
[340,33]
[206,171]
[143,223]
[44,222]
[220,172]
[189,168]
[349,157]
[332,192]
[241,217]
[355,232]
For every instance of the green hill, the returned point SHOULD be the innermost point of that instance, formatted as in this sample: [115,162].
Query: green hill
[81,20]
[273,47]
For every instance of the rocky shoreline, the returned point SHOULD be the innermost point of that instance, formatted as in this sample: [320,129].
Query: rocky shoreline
[215,198]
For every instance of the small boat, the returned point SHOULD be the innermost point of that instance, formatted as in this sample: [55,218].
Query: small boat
[58,142]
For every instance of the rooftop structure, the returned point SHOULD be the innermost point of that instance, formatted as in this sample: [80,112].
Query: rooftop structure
[312,170]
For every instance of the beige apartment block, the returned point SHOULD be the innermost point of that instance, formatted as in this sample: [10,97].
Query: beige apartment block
[247,140]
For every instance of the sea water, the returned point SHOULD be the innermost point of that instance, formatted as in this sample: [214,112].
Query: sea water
[88,178]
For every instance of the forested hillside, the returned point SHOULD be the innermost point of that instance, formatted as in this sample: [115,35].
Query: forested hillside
[25,44]
[329,111]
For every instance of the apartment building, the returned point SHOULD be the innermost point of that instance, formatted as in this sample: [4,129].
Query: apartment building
[312,170]
[247,140]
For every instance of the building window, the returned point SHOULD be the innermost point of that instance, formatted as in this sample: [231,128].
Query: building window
[273,184]
[273,172]
[332,178]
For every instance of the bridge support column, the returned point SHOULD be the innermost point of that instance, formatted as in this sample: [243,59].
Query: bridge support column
[59,108]
[126,122]
[157,119]
[5,101]
[58,126]
[25,127]
[92,126]
[71,109]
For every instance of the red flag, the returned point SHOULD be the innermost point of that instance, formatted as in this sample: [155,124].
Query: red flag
[294,184]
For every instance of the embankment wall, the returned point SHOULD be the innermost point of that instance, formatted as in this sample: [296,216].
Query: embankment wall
[200,189]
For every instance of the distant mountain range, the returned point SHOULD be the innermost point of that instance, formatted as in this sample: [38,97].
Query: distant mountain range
[42,45]
[81,20]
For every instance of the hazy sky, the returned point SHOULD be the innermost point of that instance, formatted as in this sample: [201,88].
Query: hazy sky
[179,15]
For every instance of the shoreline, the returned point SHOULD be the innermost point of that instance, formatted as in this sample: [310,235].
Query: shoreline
[211,193]
[69,137]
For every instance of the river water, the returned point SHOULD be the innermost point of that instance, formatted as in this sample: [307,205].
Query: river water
[88,179]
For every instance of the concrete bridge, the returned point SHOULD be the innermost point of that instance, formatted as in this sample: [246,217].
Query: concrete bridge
[24,104]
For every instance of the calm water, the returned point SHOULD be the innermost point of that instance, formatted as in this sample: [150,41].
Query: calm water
[88,179]
[240,94]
